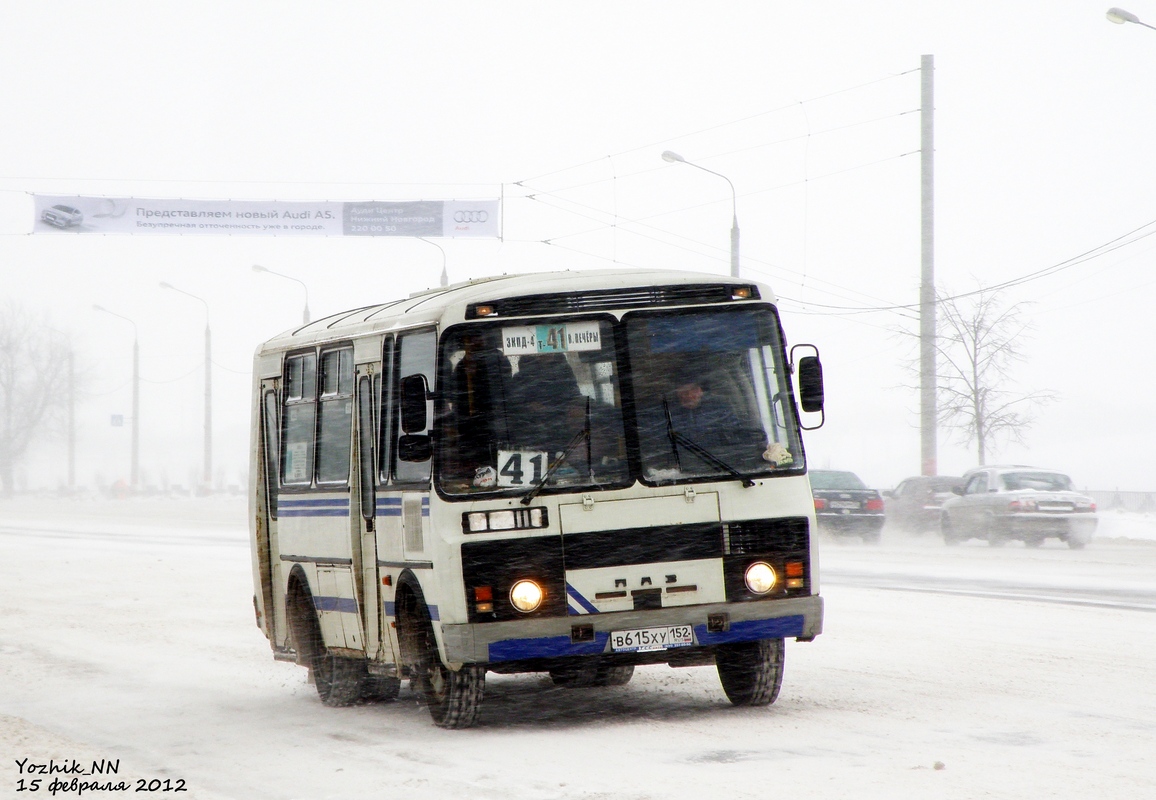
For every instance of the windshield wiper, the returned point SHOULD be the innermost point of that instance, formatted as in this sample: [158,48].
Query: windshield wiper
[581,435]
[677,438]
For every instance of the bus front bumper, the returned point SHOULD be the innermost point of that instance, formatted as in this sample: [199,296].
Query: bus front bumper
[589,634]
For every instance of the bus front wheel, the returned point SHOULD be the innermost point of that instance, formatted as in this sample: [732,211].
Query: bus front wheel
[751,672]
[454,698]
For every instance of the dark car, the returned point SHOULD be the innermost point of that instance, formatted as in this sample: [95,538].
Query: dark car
[1012,502]
[844,504]
[914,504]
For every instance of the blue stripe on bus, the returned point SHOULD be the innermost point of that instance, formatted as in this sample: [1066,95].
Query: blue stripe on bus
[391,610]
[297,502]
[750,630]
[313,507]
[546,647]
[346,604]
[391,506]
[583,603]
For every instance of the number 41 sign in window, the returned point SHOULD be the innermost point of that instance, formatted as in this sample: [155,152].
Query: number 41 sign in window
[521,467]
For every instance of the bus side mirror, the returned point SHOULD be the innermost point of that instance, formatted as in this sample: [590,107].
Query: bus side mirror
[811,383]
[414,393]
[414,448]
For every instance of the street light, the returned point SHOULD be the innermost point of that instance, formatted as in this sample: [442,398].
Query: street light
[445,275]
[208,476]
[305,316]
[135,473]
[1120,16]
[675,158]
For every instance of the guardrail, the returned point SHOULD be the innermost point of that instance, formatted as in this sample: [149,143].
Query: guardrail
[1112,500]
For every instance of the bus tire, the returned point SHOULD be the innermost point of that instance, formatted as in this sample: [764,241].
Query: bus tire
[614,675]
[575,676]
[587,675]
[454,698]
[338,680]
[751,672]
[380,689]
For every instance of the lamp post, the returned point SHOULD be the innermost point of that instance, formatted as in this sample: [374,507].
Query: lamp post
[445,280]
[208,475]
[135,473]
[1120,16]
[674,158]
[305,316]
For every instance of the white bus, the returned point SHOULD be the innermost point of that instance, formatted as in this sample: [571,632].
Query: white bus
[569,472]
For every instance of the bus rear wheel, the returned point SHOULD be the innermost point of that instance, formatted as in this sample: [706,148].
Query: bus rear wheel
[751,672]
[592,675]
[339,680]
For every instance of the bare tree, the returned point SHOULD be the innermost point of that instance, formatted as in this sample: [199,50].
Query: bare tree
[979,340]
[32,356]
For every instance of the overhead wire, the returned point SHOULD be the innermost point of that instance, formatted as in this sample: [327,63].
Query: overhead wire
[721,125]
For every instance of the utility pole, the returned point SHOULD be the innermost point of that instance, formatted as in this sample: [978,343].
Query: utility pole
[71,422]
[208,475]
[927,385]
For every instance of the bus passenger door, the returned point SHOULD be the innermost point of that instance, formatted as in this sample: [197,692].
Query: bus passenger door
[267,557]
[365,494]
[387,530]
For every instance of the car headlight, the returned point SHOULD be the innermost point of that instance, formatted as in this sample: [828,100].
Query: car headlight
[526,596]
[760,577]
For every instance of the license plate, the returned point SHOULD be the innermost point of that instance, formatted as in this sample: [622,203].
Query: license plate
[844,504]
[644,639]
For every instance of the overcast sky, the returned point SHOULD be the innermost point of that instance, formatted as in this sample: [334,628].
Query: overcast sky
[1043,125]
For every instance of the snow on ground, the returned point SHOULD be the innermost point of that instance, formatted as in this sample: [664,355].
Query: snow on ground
[127,632]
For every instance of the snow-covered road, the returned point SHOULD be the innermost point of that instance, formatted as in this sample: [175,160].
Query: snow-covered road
[127,632]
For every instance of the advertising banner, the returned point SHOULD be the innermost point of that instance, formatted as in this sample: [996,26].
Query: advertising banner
[428,218]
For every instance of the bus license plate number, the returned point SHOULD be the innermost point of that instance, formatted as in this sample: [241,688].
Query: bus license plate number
[645,639]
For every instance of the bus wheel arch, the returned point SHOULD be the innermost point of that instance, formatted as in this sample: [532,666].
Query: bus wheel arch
[339,680]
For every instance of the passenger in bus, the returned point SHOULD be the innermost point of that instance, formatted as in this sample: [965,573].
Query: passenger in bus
[549,408]
[477,400]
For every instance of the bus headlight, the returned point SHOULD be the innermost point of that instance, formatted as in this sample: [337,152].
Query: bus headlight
[526,596]
[760,577]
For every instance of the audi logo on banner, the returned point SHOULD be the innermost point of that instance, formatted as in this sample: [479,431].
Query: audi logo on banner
[471,216]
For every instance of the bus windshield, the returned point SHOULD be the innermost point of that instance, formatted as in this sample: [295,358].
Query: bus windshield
[711,395]
[533,407]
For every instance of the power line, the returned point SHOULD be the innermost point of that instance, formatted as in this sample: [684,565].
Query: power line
[721,125]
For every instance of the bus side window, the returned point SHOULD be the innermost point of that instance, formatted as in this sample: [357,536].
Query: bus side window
[336,409]
[385,411]
[299,420]
[416,354]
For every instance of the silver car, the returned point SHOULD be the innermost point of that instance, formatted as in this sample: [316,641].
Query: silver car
[1001,503]
[62,216]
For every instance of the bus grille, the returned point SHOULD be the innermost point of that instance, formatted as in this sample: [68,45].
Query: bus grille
[783,535]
